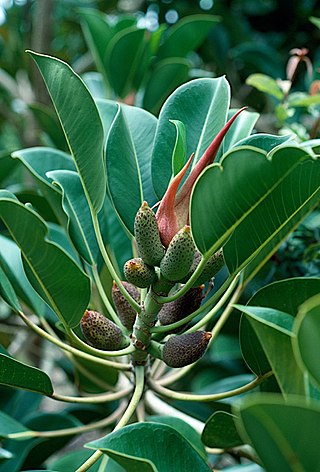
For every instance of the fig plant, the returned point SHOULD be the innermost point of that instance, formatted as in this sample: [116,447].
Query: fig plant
[162,224]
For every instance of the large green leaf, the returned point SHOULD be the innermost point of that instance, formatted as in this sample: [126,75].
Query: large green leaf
[7,292]
[265,84]
[307,335]
[240,129]
[9,425]
[186,35]
[63,285]
[49,124]
[285,434]
[263,141]
[11,264]
[127,57]
[72,460]
[167,75]
[16,374]
[81,124]
[75,205]
[252,188]
[274,331]
[128,152]
[7,165]
[150,447]
[195,104]
[284,295]
[220,431]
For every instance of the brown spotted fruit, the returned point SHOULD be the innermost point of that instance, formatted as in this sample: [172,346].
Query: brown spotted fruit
[179,256]
[127,314]
[101,332]
[138,273]
[185,349]
[147,235]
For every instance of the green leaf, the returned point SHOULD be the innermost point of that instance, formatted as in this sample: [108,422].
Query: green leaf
[274,427]
[220,431]
[7,164]
[150,447]
[240,129]
[16,374]
[315,21]
[265,84]
[81,124]
[11,264]
[125,59]
[80,226]
[62,283]
[263,141]
[195,104]
[40,160]
[242,191]
[9,425]
[307,335]
[128,151]
[49,124]
[284,295]
[167,75]
[184,429]
[180,148]
[186,35]
[72,460]
[300,99]
[7,292]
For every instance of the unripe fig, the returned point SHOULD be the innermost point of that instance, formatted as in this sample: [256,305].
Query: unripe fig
[126,312]
[138,273]
[185,349]
[212,267]
[180,308]
[101,332]
[147,236]
[179,256]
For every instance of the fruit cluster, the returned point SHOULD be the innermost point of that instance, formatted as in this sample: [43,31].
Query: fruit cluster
[159,270]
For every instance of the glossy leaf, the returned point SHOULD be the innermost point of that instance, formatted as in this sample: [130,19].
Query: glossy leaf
[49,124]
[184,429]
[247,184]
[220,431]
[274,427]
[128,152]
[7,292]
[16,374]
[7,164]
[240,129]
[265,84]
[63,285]
[136,448]
[263,141]
[11,264]
[81,124]
[186,35]
[195,104]
[180,148]
[284,295]
[9,425]
[167,75]
[75,205]
[307,335]
[274,331]
[72,460]
[123,59]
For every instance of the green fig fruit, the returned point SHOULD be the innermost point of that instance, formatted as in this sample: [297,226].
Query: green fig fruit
[185,349]
[138,273]
[101,332]
[125,311]
[147,236]
[179,256]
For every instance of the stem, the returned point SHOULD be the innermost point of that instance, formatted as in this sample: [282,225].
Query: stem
[186,286]
[207,398]
[137,394]
[69,431]
[72,350]
[122,352]
[109,265]
[176,375]
[216,308]
[105,299]
[102,398]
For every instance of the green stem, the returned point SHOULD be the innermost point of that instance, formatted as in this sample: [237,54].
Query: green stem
[109,265]
[175,375]
[105,299]
[137,394]
[217,307]
[186,286]
[207,398]
[69,431]
[122,352]
[102,398]
[72,350]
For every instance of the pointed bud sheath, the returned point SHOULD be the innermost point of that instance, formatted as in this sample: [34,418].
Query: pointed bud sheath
[185,349]
[101,332]
[125,311]
[179,256]
[138,273]
[180,308]
[147,236]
